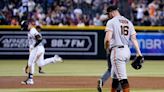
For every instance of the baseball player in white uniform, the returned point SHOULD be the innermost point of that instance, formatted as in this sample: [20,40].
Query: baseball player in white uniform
[119,31]
[40,70]
[37,51]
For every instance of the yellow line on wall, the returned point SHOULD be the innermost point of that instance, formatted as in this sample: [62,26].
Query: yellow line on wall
[52,27]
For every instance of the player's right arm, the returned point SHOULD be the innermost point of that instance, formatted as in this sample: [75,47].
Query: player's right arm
[108,35]
[107,39]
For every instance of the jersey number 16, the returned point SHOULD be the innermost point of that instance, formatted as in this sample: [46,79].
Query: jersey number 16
[124,30]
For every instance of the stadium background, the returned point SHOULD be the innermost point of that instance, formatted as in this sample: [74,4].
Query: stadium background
[74,29]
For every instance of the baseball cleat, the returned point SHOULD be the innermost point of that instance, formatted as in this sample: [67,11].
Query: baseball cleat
[99,85]
[41,72]
[58,59]
[28,82]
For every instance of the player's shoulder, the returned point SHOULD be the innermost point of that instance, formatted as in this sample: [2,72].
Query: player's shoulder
[113,20]
[110,21]
[33,30]
[127,20]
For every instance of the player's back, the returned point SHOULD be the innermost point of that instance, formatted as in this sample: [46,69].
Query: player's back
[122,29]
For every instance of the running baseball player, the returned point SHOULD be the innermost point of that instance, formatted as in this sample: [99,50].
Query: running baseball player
[37,51]
[119,31]
[40,70]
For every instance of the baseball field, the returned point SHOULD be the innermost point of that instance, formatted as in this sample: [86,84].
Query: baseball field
[78,76]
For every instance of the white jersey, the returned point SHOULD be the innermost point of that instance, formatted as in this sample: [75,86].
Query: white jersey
[121,29]
[37,53]
[31,37]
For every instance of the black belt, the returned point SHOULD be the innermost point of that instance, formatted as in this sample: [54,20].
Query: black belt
[117,47]
[120,47]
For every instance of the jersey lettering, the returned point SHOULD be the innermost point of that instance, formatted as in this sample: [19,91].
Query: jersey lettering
[124,30]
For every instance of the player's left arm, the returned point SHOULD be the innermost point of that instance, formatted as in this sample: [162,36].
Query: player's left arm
[134,40]
[38,39]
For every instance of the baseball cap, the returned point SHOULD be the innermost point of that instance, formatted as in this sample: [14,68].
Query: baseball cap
[111,8]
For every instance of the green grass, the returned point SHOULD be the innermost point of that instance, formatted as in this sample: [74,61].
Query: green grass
[79,68]
[68,68]
[150,69]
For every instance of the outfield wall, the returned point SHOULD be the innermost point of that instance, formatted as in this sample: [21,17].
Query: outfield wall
[77,42]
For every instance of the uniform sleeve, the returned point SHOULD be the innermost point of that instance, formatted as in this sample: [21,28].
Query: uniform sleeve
[109,26]
[34,32]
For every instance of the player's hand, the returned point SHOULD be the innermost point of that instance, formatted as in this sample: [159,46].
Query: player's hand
[108,51]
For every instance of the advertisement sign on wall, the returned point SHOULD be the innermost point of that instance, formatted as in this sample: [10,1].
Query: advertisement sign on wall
[151,44]
[62,43]
[75,44]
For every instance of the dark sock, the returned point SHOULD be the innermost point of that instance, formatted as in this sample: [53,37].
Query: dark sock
[30,76]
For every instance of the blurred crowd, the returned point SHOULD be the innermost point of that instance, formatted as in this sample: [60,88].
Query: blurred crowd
[80,12]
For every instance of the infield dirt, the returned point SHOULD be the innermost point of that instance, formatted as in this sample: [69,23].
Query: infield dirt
[77,82]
